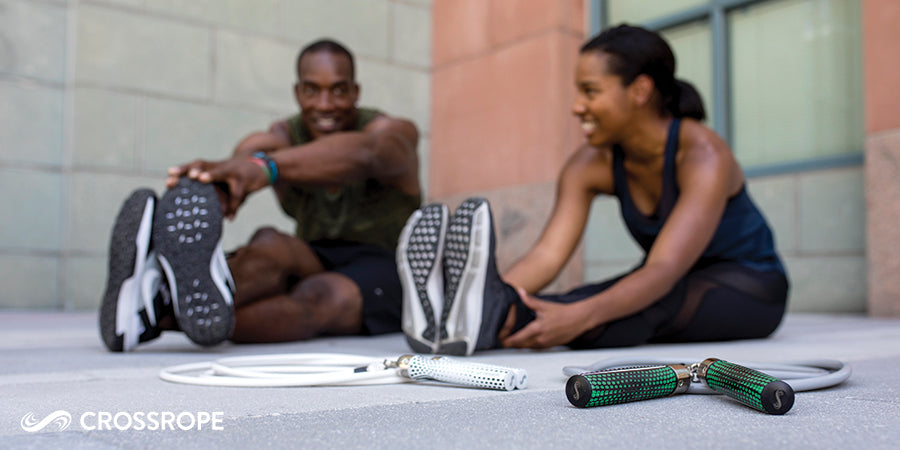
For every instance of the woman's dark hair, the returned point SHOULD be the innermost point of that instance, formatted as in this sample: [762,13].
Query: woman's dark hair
[329,46]
[634,51]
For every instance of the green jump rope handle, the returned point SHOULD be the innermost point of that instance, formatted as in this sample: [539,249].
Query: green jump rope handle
[610,387]
[750,387]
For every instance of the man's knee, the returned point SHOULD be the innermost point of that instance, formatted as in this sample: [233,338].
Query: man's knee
[271,246]
[334,300]
[327,289]
[267,237]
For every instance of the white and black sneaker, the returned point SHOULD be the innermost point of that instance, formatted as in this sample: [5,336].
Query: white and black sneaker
[419,267]
[476,300]
[187,234]
[130,305]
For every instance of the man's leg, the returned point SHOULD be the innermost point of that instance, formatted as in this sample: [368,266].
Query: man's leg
[284,292]
[359,294]
[270,265]
[324,303]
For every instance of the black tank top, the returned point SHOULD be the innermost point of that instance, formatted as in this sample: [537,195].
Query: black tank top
[742,236]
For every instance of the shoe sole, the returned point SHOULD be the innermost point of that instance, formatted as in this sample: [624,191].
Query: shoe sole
[419,267]
[466,255]
[129,248]
[186,232]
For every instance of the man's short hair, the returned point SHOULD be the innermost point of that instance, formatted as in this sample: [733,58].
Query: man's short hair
[330,46]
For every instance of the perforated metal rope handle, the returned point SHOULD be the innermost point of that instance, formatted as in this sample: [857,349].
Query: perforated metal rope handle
[614,386]
[463,373]
[750,387]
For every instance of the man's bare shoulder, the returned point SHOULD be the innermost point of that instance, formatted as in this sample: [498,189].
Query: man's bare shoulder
[385,121]
[281,129]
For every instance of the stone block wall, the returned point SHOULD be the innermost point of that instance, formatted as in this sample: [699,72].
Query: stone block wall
[101,96]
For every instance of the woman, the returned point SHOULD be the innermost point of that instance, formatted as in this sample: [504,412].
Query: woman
[710,271]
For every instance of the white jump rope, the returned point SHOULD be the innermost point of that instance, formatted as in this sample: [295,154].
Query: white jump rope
[333,369]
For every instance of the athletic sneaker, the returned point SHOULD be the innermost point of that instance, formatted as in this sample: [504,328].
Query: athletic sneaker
[419,266]
[476,300]
[130,308]
[187,233]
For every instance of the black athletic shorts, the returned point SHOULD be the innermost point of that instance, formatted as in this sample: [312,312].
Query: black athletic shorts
[374,270]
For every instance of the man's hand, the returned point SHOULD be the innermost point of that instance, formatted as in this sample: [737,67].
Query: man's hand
[234,178]
[555,324]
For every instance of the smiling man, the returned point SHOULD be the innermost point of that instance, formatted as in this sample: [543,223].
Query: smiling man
[348,175]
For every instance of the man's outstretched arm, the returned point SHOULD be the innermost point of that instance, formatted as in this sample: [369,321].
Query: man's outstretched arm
[275,138]
[384,150]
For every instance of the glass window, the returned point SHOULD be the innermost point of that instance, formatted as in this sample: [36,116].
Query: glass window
[796,80]
[791,71]
[691,44]
[632,11]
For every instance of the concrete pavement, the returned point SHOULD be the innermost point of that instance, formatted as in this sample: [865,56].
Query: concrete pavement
[55,362]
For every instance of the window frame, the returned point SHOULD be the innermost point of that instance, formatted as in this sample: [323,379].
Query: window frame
[716,13]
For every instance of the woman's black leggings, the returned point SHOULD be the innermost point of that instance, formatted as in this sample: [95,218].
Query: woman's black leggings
[721,301]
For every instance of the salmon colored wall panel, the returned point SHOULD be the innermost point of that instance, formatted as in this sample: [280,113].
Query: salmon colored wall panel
[503,119]
[460,29]
[514,19]
[881,32]
[882,233]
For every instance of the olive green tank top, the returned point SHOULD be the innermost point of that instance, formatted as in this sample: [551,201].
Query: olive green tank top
[366,211]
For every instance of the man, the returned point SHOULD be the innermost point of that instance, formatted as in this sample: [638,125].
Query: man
[347,175]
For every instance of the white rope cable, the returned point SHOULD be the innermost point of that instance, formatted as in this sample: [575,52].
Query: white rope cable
[333,369]
[285,370]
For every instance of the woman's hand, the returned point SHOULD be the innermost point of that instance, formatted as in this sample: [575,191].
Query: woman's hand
[555,324]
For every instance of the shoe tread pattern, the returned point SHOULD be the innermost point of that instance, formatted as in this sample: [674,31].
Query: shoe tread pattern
[422,252]
[187,229]
[456,254]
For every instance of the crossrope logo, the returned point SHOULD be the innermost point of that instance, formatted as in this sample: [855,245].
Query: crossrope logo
[62,419]
[125,420]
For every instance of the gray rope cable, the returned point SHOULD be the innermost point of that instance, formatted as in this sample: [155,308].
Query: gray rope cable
[804,375]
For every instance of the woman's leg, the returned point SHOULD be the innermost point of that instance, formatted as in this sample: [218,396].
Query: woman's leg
[719,302]
[736,302]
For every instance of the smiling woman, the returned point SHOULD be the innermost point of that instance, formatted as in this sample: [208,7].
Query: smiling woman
[606,68]
[710,269]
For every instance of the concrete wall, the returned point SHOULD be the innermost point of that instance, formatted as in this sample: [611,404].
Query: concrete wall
[100,97]
[880,19]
